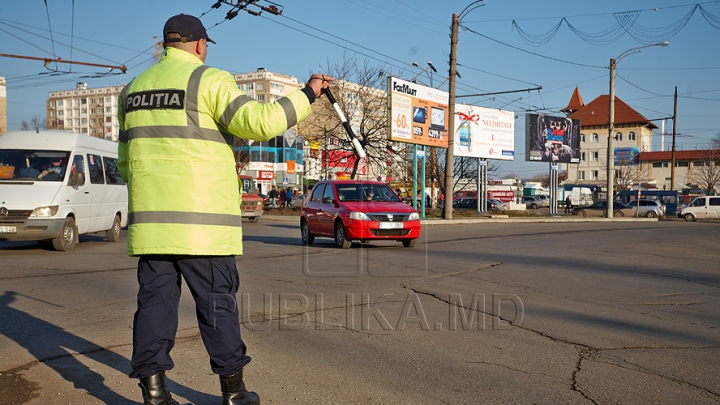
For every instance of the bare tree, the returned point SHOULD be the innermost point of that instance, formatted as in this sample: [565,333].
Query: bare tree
[360,92]
[35,124]
[707,175]
[715,142]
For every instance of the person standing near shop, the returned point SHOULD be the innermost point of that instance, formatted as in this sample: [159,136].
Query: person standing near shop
[177,121]
[273,194]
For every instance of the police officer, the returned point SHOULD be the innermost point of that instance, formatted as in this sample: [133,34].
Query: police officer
[177,120]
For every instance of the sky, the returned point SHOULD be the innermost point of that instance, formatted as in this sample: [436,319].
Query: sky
[503,46]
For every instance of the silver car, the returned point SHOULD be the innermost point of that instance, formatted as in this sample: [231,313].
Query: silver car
[647,208]
[535,201]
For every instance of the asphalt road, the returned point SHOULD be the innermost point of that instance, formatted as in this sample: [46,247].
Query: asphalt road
[481,313]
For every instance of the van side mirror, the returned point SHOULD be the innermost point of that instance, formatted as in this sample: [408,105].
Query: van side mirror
[78,179]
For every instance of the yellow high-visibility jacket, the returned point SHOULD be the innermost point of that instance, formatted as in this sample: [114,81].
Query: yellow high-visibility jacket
[177,121]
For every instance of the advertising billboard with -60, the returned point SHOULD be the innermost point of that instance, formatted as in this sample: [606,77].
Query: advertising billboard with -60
[484,133]
[417,114]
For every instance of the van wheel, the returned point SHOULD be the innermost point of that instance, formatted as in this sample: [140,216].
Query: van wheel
[66,240]
[651,214]
[113,234]
[689,217]
[341,239]
[254,219]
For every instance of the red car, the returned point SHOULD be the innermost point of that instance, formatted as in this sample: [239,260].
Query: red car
[348,210]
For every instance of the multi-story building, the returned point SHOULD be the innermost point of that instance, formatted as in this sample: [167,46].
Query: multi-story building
[3,106]
[633,135]
[87,111]
[635,161]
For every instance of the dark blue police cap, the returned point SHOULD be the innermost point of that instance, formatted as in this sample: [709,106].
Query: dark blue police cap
[188,27]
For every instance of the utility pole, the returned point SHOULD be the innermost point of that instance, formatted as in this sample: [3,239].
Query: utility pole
[450,157]
[672,160]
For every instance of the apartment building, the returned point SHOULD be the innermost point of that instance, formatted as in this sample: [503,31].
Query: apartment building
[633,135]
[3,106]
[90,111]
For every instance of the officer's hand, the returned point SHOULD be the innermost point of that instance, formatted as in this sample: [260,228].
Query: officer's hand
[318,82]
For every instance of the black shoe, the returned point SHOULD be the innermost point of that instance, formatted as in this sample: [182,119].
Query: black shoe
[234,393]
[154,390]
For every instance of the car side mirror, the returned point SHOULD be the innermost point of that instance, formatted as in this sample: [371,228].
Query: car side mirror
[327,200]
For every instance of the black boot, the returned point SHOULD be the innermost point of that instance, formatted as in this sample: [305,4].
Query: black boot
[154,390]
[234,393]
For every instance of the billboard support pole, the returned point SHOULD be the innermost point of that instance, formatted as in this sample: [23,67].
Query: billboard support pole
[552,209]
[414,189]
[482,186]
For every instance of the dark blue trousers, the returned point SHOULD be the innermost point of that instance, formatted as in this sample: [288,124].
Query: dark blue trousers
[213,282]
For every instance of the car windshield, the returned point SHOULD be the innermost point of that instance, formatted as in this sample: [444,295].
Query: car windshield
[22,164]
[366,192]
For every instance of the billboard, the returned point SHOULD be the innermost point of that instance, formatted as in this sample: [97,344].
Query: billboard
[417,114]
[484,133]
[551,139]
[626,156]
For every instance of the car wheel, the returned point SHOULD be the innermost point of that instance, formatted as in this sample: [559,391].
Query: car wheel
[619,214]
[534,206]
[651,214]
[341,239]
[254,219]
[409,243]
[689,217]
[582,214]
[113,234]
[66,240]
[307,237]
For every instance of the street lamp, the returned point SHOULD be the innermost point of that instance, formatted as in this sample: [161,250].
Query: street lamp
[611,125]
[450,156]
[430,66]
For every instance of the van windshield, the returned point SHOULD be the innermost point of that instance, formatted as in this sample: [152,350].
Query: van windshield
[23,164]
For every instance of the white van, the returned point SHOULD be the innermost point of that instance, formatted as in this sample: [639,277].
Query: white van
[56,185]
[701,208]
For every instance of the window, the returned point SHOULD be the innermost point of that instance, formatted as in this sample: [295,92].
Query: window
[714,201]
[581,175]
[112,174]
[595,137]
[618,136]
[83,101]
[681,164]
[260,97]
[249,86]
[52,104]
[95,169]
[594,175]
[701,163]
[77,167]
[317,194]
[582,155]
[582,137]
[595,156]
[631,136]
[92,111]
[328,192]
[59,103]
[660,164]
[260,86]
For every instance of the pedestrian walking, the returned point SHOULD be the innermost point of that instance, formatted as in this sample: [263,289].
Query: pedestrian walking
[282,197]
[568,204]
[185,219]
[273,194]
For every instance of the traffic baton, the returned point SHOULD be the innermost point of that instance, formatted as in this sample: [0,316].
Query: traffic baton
[355,141]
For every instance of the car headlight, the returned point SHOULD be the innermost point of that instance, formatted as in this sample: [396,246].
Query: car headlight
[359,216]
[413,216]
[44,212]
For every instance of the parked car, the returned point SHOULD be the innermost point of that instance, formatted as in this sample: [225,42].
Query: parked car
[599,209]
[348,210]
[535,201]
[499,205]
[648,208]
[472,203]
[701,208]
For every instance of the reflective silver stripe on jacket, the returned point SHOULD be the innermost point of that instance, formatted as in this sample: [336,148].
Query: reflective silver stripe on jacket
[290,113]
[184,218]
